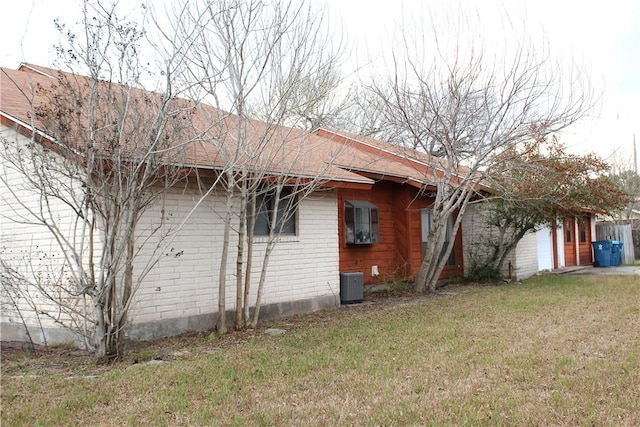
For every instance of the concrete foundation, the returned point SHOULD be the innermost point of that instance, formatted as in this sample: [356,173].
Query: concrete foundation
[169,327]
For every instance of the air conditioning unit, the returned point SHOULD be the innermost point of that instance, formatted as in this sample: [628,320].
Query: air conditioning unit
[351,287]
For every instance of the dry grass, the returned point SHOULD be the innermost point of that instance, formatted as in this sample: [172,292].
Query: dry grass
[554,350]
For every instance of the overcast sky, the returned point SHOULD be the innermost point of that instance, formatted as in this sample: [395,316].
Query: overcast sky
[604,36]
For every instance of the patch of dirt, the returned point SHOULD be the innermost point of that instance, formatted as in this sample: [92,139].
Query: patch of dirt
[19,358]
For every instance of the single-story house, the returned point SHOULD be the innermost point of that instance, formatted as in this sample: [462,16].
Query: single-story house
[370,214]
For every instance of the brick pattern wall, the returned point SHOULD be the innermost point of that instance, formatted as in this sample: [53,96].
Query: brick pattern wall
[30,249]
[526,257]
[185,280]
[178,278]
[475,230]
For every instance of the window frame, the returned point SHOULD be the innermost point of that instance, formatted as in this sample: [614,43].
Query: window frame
[568,234]
[362,225]
[451,261]
[265,204]
[582,230]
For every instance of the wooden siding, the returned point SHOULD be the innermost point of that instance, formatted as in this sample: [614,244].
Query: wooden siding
[398,254]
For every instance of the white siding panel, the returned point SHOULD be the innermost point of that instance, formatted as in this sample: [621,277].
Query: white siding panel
[560,245]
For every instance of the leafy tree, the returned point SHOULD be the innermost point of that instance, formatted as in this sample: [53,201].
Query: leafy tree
[540,184]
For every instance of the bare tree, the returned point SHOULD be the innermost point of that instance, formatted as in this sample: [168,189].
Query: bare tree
[271,61]
[101,152]
[19,298]
[463,101]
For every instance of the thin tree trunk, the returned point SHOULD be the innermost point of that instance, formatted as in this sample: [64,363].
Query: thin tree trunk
[222,278]
[127,291]
[247,274]
[429,267]
[267,254]
[239,323]
[100,331]
[505,250]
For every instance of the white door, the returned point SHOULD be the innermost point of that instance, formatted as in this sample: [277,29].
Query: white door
[545,249]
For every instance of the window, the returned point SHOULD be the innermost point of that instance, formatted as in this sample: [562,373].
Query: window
[362,223]
[567,226]
[427,223]
[285,217]
[583,232]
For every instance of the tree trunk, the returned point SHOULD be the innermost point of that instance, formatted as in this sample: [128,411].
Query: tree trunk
[127,292]
[239,323]
[261,282]
[435,260]
[222,277]
[247,274]
[506,248]
[273,231]
[101,345]
[428,273]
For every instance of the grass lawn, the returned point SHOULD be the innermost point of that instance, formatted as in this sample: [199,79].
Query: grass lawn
[555,350]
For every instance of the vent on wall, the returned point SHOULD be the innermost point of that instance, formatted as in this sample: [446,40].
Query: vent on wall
[351,287]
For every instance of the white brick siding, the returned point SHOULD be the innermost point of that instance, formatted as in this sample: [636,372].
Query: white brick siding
[29,248]
[526,257]
[474,233]
[183,280]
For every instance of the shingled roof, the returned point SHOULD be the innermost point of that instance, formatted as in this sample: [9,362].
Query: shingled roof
[337,157]
[394,162]
[277,148]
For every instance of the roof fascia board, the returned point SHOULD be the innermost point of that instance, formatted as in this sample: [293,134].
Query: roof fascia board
[378,176]
[35,70]
[28,128]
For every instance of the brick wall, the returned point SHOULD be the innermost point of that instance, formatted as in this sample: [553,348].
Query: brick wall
[475,231]
[177,278]
[526,257]
[185,280]
[28,248]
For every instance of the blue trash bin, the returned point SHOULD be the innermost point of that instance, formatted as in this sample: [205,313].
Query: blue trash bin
[616,253]
[602,253]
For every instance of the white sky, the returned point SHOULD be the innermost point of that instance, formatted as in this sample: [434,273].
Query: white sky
[605,36]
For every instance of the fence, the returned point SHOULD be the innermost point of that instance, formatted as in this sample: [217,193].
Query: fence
[636,241]
[622,233]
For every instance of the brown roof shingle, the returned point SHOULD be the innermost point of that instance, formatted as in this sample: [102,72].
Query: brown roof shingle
[210,138]
[213,136]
